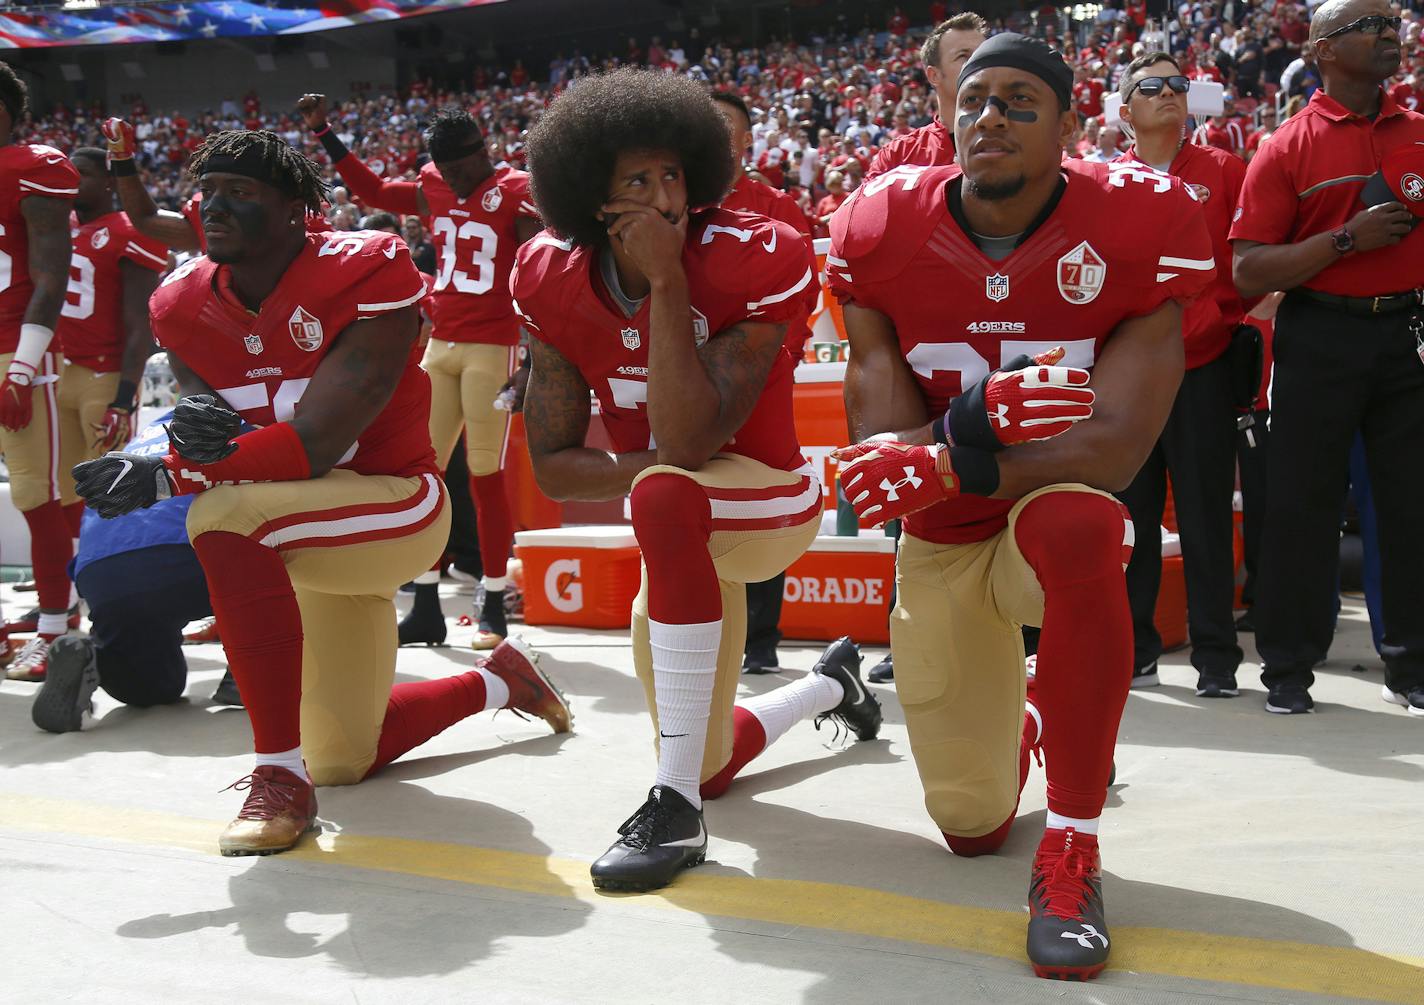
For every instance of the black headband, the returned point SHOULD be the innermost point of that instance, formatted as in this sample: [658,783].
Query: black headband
[1027,54]
[443,154]
[251,163]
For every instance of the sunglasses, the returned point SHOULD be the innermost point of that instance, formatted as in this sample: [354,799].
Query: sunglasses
[1371,24]
[1152,86]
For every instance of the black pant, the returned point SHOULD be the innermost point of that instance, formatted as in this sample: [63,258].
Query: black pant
[464,541]
[763,615]
[1251,465]
[1336,374]
[139,602]
[1198,449]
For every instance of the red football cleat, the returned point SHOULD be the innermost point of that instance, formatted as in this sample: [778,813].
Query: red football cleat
[30,622]
[280,808]
[1067,929]
[207,631]
[32,663]
[529,689]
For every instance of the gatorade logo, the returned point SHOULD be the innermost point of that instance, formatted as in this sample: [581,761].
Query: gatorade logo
[562,586]
[833,590]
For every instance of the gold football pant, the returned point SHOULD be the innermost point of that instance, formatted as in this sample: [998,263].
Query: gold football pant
[753,538]
[32,454]
[84,397]
[465,378]
[348,541]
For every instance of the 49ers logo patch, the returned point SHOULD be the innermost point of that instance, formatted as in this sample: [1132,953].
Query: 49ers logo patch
[306,330]
[1412,187]
[1081,274]
[492,199]
[100,238]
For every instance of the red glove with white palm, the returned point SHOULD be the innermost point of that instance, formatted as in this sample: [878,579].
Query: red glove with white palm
[1027,399]
[120,137]
[885,479]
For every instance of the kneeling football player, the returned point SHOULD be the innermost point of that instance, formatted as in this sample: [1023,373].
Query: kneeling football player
[305,526]
[677,320]
[1002,466]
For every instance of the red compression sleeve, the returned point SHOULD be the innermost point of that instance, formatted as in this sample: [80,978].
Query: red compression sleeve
[271,454]
[370,188]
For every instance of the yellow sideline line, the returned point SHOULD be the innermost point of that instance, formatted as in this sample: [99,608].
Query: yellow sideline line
[1293,966]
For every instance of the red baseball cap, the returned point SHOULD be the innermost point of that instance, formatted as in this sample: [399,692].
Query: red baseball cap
[1400,179]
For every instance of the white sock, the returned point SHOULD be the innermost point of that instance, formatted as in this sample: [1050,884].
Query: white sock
[289,759]
[684,672]
[53,624]
[1033,712]
[494,584]
[1055,822]
[496,690]
[426,578]
[779,710]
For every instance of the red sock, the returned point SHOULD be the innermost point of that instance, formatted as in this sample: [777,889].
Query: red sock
[672,520]
[495,523]
[51,548]
[1075,542]
[748,740]
[420,710]
[261,633]
[74,513]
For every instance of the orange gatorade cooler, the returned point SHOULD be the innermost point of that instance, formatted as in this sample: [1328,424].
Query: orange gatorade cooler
[841,586]
[585,577]
[1170,615]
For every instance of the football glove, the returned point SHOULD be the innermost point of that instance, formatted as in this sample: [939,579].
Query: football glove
[202,430]
[120,138]
[1027,399]
[885,479]
[120,483]
[15,407]
[117,425]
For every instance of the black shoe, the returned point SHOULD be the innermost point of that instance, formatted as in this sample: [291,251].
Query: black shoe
[1289,699]
[1145,676]
[664,837]
[69,686]
[859,710]
[227,693]
[493,628]
[425,624]
[1217,686]
[883,672]
[1247,621]
[1067,930]
[1412,700]
[760,662]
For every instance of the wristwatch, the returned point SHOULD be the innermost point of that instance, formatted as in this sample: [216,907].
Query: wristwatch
[1343,240]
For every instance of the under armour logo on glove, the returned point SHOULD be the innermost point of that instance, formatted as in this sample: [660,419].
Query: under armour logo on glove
[1029,399]
[120,483]
[885,479]
[1086,936]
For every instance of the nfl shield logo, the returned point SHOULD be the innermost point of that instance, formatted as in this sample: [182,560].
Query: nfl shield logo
[700,330]
[100,238]
[1081,274]
[492,199]
[631,338]
[254,344]
[996,287]
[306,330]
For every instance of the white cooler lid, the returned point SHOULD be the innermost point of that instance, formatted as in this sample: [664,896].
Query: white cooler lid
[592,536]
[869,543]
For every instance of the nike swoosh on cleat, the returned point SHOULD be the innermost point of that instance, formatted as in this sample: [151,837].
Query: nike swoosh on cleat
[127,467]
[691,842]
[859,691]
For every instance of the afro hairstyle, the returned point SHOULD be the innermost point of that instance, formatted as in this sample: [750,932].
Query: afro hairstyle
[574,147]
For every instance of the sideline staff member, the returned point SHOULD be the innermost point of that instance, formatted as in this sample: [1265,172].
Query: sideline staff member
[1345,350]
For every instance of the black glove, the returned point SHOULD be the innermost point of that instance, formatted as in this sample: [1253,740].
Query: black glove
[120,483]
[202,430]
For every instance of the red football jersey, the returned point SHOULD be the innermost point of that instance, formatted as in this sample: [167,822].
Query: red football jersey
[25,170]
[928,145]
[262,363]
[896,248]
[476,241]
[739,267]
[751,196]
[91,325]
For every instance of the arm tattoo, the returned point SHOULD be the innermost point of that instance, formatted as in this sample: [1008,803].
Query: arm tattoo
[556,405]
[738,363]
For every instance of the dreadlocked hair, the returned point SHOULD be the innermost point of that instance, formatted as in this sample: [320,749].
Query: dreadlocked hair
[574,147]
[292,171]
[14,95]
[450,131]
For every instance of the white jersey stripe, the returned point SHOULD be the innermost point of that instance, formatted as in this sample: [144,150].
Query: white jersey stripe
[26,183]
[146,254]
[424,504]
[776,298]
[761,509]
[833,260]
[1200,264]
[1162,277]
[394,304]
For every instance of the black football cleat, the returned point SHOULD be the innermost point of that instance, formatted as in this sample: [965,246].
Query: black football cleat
[664,837]
[1067,930]
[883,672]
[424,624]
[859,710]
[69,686]
[227,692]
[494,627]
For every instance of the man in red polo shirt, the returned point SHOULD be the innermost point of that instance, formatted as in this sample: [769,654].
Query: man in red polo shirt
[944,54]
[1198,445]
[1346,358]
